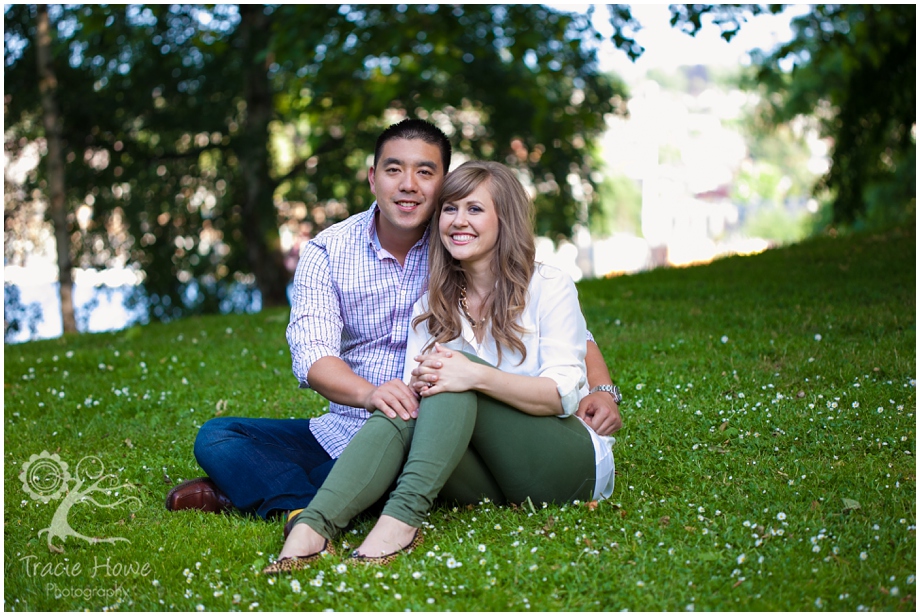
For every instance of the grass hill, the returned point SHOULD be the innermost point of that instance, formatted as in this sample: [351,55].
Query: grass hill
[767,458]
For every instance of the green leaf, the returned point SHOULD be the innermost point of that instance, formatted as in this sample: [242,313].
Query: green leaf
[850,505]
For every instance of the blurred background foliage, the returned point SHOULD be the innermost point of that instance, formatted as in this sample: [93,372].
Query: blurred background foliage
[196,138]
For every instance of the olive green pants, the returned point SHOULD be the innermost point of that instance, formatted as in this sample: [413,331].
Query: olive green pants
[463,447]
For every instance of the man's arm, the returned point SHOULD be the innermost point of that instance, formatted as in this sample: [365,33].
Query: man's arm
[333,379]
[599,410]
[314,335]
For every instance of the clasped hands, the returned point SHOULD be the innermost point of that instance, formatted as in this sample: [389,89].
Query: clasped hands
[437,372]
[442,370]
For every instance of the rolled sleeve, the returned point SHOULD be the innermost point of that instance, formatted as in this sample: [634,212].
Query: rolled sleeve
[315,328]
[562,339]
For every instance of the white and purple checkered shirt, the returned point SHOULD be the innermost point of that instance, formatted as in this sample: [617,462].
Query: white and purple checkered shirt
[352,299]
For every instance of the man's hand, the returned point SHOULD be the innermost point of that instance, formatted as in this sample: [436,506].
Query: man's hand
[600,412]
[395,399]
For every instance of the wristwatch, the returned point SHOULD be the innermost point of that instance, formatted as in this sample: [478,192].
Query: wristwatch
[613,390]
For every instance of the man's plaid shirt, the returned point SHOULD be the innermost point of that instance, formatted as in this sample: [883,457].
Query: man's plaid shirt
[351,299]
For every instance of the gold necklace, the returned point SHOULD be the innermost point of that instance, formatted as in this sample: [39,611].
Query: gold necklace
[465,309]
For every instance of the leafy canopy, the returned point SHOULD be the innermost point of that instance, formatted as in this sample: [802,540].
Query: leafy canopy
[200,137]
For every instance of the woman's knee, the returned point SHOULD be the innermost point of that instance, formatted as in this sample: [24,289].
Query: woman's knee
[380,428]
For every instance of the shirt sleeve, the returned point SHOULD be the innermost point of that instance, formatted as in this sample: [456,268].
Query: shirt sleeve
[563,335]
[315,329]
[417,339]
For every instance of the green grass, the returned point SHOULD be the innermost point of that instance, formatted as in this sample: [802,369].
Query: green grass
[767,459]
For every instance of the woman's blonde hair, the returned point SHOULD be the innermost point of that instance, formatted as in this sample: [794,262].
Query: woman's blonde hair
[513,264]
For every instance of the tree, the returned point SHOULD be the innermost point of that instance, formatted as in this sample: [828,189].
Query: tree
[855,68]
[194,133]
[48,87]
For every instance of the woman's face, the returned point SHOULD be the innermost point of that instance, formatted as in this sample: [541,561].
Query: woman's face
[469,227]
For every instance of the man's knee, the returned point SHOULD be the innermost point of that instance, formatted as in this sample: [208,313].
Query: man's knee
[212,434]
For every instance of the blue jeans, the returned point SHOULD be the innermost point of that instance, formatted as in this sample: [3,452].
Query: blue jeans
[265,466]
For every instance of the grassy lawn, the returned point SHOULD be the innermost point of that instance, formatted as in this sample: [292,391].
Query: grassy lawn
[767,459]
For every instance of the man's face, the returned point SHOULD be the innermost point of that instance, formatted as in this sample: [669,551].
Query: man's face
[406,182]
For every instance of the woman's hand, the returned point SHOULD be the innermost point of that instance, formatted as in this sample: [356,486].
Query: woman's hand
[442,370]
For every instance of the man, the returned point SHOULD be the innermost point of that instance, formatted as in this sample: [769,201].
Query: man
[353,293]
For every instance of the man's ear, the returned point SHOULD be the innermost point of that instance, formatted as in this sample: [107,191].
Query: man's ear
[370,180]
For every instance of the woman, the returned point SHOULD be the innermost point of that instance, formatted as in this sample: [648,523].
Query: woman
[496,349]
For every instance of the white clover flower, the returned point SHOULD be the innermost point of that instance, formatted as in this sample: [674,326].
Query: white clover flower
[341,568]
[780,516]
[453,564]
[724,339]
[482,548]
[199,607]
[741,558]
[817,337]
[295,586]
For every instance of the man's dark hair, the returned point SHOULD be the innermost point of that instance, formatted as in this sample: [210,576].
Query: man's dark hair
[416,129]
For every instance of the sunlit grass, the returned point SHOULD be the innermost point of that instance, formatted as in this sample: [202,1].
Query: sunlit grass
[766,463]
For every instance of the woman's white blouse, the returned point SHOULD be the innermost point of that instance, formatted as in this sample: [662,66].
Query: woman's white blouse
[556,343]
[555,337]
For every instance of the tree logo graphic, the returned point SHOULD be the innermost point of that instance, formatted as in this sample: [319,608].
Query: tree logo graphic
[45,477]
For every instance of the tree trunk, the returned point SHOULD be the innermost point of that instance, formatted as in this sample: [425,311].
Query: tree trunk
[48,86]
[260,222]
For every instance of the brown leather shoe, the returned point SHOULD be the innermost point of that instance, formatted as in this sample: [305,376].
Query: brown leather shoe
[201,494]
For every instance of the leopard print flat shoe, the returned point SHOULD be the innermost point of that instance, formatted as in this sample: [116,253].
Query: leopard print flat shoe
[386,559]
[296,563]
